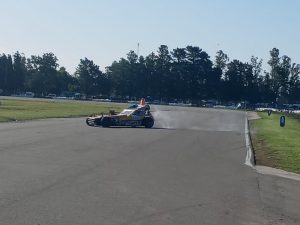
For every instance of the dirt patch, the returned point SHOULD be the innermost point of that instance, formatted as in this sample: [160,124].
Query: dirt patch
[295,116]
[252,116]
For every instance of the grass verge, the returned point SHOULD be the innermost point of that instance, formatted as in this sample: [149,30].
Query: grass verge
[277,146]
[20,110]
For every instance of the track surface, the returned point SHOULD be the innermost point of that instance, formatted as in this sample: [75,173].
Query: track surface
[189,170]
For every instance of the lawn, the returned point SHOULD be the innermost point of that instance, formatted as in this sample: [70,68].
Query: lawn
[19,110]
[277,146]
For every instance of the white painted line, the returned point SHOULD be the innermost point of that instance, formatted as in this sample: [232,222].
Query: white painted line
[249,153]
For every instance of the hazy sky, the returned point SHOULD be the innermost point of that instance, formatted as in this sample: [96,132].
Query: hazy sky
[106,30]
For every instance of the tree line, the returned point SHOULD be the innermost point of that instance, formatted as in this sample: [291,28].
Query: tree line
[181,74]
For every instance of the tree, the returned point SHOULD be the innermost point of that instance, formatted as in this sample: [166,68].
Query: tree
[256,66]
[181,74]
[178,72]
[254,80]
[66,82]
[43,74]
[91,80]
[199,68]
[283,75]
[268,94]
[120,78]
[179,55]
[274,63]
[285,68]
[151,76]
[142,78]
[132,57]
[213,84]
[294,83]
[163,65]
[19,71]
[6,74]
[235,81]
[221,61]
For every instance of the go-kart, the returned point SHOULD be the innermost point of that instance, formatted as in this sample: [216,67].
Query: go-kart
[134,116]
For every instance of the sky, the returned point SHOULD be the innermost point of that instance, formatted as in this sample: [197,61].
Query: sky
[106,30]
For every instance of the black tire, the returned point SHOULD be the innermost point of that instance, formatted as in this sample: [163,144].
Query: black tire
[88,122]
[106,122]
[148,122]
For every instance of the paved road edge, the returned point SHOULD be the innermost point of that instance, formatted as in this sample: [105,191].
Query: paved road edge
[250,156]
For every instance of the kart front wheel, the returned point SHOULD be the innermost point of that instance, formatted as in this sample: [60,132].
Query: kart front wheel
[89,122]
[148,122]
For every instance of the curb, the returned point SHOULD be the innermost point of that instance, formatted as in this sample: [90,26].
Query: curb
[250,157]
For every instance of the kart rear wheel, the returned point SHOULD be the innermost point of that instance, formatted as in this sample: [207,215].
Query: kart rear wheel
[106,122]
[148,122]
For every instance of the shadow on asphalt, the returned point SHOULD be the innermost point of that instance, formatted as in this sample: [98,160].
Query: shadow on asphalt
[124,127]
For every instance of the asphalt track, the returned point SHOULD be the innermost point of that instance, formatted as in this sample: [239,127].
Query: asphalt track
[188,170]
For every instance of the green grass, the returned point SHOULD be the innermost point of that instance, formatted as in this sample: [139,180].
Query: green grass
[19,110]
[279,144]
